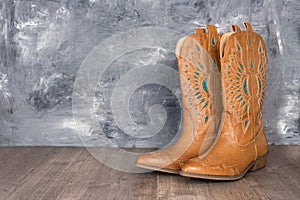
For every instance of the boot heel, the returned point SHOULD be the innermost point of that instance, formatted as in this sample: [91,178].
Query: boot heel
[259,164]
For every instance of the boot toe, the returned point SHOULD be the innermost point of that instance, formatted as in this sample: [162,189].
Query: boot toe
[148,159]
[194,166]
[157,161]
[209,168]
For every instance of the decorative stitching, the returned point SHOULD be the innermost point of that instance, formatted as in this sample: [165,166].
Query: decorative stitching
[239,74]
[196,81]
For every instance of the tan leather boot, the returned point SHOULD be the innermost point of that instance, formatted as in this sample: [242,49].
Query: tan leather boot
[241,144]
[198,64]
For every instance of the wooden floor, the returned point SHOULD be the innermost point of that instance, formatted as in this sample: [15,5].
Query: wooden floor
[72,173]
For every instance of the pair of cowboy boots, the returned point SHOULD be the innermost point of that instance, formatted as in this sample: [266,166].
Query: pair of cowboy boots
[222,79]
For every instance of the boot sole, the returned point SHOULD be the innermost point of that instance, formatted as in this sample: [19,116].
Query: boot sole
[254,166]
[171,171]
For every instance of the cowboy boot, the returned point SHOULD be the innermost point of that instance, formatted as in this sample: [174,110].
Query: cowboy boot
[241,145]
[198,66]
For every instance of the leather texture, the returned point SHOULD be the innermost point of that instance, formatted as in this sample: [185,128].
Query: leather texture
[241,144]
[198,65]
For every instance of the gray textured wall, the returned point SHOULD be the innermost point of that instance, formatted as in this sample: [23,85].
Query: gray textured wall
[43,44]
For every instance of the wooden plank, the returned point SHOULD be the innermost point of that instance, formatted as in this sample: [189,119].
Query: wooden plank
[176,187]
[97,181]
[26,166]
[57,175]
[72,173]
[280,178]
[18,163]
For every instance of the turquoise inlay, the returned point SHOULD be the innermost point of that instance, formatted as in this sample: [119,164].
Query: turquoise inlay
[196,88]
[228,66]
[246,108]
[246,122]
[241,99]
[241,66]
[196,84]
[245,87]
[238,90]
[204,85]
[238,96]
[205,105]
[238,74]
[251,64]
[239,70]
[199,97]
[243,103]
[197,47]
[197,93]
[206,119]
[215,63]
[259,84]
[237,78]
[202,100]
[188,78]
[213,40]
[197,73]
[195,76]
[230,80]
[199,64]
[239,48]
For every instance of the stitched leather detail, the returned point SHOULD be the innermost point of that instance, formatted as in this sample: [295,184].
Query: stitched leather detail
[261,74]
[242,74]
[196,84]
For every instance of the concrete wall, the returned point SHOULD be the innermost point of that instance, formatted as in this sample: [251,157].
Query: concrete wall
[44,43]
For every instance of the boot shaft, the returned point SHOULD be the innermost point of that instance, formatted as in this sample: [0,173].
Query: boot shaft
[243,74]
[198,66]
[200,82]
